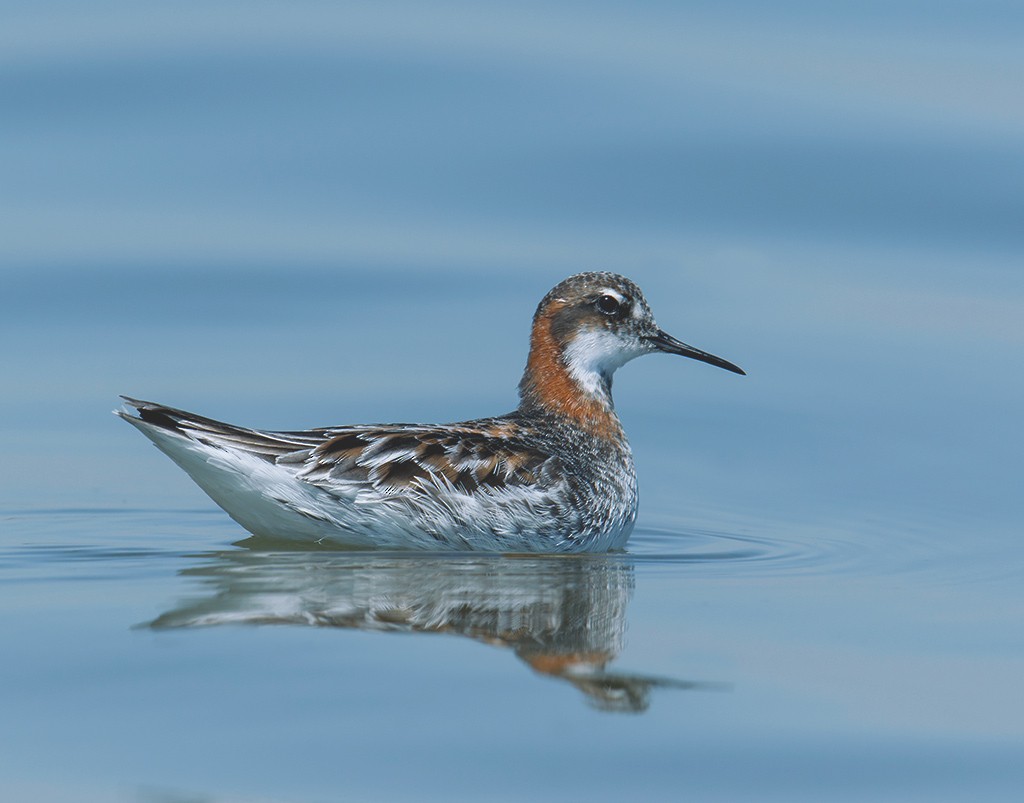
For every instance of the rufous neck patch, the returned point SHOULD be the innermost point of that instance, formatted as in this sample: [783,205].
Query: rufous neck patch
[548,383]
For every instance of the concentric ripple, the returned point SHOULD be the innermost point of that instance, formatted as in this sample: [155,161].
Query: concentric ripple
[929,554]
[54,543]
[718,552]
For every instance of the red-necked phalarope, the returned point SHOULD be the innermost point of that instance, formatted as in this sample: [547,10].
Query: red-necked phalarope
[555,475]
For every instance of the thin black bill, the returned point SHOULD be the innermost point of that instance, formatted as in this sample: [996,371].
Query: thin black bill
[665,342]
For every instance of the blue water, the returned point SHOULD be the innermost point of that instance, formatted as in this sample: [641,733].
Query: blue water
[307,214]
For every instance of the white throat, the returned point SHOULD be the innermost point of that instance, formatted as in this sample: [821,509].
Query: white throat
[592,357]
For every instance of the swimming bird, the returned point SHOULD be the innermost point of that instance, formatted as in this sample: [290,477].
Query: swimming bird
[554,475]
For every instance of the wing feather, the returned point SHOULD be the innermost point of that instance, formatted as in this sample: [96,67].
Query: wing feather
[413,459]
[495,456]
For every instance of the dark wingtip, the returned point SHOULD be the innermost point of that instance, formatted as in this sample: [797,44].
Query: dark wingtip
[150,412]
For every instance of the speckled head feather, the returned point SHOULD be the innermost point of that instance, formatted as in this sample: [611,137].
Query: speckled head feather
[583,329]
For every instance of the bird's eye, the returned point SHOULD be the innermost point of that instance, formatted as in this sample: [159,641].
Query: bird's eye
[609,305]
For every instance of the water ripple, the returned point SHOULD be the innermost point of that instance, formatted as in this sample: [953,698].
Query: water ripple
[919,551]
[929,554]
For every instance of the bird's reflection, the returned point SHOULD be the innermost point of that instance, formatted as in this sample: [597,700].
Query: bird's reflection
[563,616]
